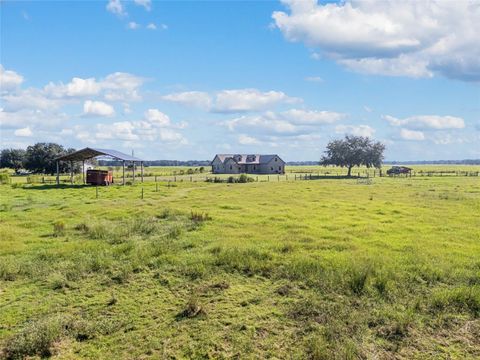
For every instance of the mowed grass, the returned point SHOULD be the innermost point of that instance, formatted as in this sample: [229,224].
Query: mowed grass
[308,269]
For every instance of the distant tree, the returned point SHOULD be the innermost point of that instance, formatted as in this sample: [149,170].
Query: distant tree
[354,151]
[40,158]
[12,158]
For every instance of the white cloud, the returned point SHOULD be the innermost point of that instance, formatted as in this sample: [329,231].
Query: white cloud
[358,130]
[247,140]
[268,122]
[99,108]
[164,26]
[316,79]
[190,98]
[116,7]
[243,100]
[231,101]
[9,79]
[28,117]
[389,37]
[118,86]
[157,117]
[147,4]
[23,132]
[132,25]
[152,26]
[420,122]
[311,117]
[367,109]
[407,134]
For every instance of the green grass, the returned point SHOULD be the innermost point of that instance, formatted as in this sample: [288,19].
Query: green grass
[309,269]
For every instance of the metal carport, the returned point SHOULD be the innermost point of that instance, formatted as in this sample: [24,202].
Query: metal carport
[90,153]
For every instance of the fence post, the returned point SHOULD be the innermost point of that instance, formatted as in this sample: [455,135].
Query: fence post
[295,176]
[155,178]
[142,192]
[190,179]
[156,187]
[257,178]
[278,177]
[174,179]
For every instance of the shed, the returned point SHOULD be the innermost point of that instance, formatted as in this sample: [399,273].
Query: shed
[89,153]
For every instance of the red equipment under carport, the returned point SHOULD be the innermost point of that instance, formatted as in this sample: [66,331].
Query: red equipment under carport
[99,177]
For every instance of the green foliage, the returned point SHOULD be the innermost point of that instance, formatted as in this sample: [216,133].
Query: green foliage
[354,151]
[12,158]
[4,178]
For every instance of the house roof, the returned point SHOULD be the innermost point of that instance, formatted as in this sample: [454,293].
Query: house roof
[88,153]
[247,158]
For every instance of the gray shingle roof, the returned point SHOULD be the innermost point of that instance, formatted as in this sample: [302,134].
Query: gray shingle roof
[247,158]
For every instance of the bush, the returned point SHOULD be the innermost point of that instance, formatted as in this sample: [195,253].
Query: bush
[4,178]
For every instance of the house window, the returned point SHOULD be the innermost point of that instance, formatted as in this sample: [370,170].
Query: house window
[275,159]
[279,168]
[231,167]
[271,168]
[254,168]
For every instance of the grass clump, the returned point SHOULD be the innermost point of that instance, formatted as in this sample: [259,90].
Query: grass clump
[59,228]
[35,339]
[463,298]
[192,309]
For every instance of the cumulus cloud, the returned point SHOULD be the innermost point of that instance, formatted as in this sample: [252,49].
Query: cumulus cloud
[288,122]
[247,140]
[154,126]
[132,25]
[419,122]
[99,108]
[118,86]
[316,79]
[23,132]
[147,4]
[198,99]
[152,26]
[9,79]
[244,100]
[232,101]
[116,7]
[311,117]
[389,37]
[415,135]
[358,130]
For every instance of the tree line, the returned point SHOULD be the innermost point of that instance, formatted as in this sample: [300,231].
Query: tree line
[38,158]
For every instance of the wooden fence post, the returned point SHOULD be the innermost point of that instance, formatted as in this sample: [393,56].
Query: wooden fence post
[142,192]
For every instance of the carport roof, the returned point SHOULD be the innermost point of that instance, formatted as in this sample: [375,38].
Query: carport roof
[89,153]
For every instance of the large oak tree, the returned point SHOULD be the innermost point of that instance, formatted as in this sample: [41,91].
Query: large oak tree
[354,151]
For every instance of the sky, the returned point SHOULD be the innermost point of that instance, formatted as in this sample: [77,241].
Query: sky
[186,80]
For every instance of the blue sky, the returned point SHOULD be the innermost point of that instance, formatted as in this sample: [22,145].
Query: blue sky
[185,80]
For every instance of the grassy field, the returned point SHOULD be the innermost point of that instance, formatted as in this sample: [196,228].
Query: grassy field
[321,269]
[185,173]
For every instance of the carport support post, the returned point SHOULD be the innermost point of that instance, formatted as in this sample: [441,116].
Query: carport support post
[58,174]
[141,169]
[71,172]
[133,180]
[83,172]
[123,168]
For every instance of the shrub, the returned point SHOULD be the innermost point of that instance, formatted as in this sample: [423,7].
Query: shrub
[4,178]
[244,179]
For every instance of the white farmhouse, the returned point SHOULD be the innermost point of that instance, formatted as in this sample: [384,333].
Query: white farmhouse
[247,164]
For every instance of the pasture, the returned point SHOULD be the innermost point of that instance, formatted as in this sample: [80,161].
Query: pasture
[317,269]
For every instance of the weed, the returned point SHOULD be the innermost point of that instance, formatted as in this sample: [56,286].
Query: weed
[192,309]
[59,228]
[36,338]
